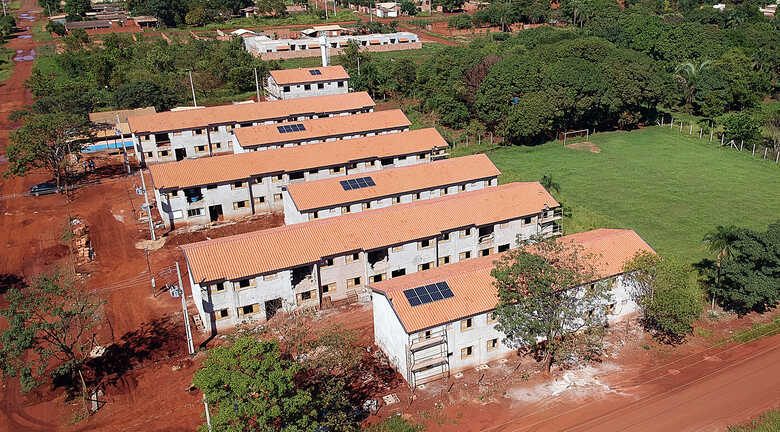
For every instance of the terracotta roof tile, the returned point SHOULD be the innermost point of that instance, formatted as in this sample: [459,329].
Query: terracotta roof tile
[266,110]
[268,134]
[220,169]
[393,181]
[109,117]
[294,245]
[472,284]
[303,75]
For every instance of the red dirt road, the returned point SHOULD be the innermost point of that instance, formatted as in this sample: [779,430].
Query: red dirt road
[707,390]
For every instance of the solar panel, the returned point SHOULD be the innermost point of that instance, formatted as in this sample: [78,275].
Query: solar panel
[291,128]
[358,183]
[315,72]
[428,293]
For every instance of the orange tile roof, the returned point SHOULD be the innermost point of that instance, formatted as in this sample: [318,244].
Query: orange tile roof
[302,75]
[266,110]
[267,134]
[290,246]
[109,117]
[219,169]
[472,284]
[393,181]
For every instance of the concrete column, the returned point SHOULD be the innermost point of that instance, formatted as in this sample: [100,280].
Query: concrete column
[251,195]
[208,137]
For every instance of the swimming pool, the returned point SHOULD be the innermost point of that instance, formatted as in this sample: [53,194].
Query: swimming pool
[100,147]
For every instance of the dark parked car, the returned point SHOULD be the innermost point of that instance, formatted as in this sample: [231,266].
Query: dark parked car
[44,188]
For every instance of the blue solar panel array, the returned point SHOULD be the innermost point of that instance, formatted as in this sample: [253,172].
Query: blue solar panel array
[315,72]
[358,183]
[291,128]
[428,293]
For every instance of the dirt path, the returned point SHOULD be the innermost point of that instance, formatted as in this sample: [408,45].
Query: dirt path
[706,390]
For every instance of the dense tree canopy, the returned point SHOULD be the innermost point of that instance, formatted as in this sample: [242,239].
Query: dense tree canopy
[749,275]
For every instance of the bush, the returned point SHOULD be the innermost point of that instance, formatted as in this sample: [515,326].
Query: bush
[395,423]
[56,28]
[460,22]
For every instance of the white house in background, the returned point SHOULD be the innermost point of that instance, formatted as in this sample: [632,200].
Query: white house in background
[199,191]
[305,82]
[387,10]
[260,45]
[434,323]
[251,276]
[358,192]
[176,135]
[269,136]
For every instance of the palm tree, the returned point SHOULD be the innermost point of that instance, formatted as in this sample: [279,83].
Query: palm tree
[689,75]
[548,183]
[719,241]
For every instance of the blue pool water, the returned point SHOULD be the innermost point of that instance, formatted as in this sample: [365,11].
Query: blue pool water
[101,147]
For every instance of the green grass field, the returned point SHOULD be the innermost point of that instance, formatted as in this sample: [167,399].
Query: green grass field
[6,63]
[768,422]
[670,188]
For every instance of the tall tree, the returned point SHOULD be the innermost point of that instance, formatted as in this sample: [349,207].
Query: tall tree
[250,387]
[664,290]
[549,184]
[46,141]
[750,276]
[49,326]
[550,291]
[719,241]
[689,75]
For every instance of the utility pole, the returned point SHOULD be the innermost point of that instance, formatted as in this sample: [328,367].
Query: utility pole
[124,149]
[184,311]
[257,86]
[3,1]
[148,208]
[192,86]
[326,10]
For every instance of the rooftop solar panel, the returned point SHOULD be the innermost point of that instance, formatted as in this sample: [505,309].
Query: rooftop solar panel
[291,128]
[315,72]
[428,293]
[345,185]
[358,183]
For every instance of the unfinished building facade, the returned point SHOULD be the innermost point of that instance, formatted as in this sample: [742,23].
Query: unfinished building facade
[208,131]
[207,190]
[312,264]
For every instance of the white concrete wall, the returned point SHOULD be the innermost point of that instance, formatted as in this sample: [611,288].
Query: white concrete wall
[276,91]
[389,334]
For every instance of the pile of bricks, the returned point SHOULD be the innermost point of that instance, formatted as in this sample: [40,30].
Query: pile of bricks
[81,243]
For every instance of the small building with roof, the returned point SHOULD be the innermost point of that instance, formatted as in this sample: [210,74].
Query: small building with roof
[431,324]
[359,192]
[306,82]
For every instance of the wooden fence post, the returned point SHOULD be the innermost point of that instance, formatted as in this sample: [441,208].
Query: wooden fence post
[681,126]
[741,144]
[701,131]
[671,123]
[765,150]
[690,132]
[722,136]
[754,149]
[710,133]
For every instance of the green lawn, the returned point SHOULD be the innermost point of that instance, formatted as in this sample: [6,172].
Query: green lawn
[39,33]
[768,422]
[6,63]
[670,188]
[420,55]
